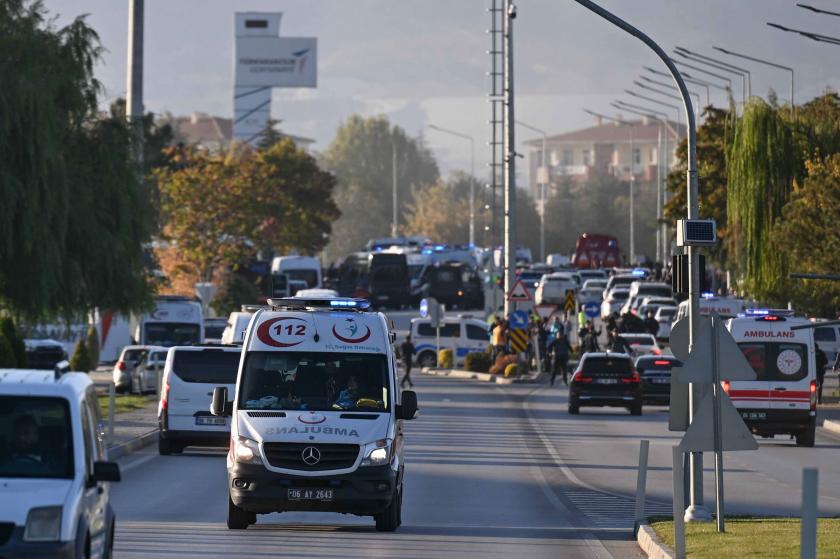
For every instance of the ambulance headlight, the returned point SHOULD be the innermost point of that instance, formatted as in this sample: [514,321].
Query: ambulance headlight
[378,453]
[43,524]
[246,451]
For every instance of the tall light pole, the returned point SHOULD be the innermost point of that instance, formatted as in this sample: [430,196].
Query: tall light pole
[666,94]
[743,73]
[813,36]
[686,78]
[394,217]
[632,204]
[697,510]
[472,173]
[134,78]
[767,63]
[674,88]
[510,155]
[542,181]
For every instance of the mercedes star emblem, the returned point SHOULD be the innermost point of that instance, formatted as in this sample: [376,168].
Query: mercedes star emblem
[310,455]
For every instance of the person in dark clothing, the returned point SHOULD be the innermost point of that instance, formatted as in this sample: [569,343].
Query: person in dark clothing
[822,363]
[651,324]
[407,351]
[617,344]
[590,339]
[612,322]
[560,350]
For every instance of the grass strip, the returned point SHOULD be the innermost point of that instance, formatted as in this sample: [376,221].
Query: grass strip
[123,403]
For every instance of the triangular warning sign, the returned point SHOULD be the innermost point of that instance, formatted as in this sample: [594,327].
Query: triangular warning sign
[734,433]
[545,310]
[731,361]
[519,292]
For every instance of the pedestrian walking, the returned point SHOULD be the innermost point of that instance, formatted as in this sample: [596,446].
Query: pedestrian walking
[560,350]
[497,340]
[407,351]
[651,324]
[822,363]
[617,344]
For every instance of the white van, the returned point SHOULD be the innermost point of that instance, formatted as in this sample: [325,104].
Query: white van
[783,399]
[54,474]
[828,338]
[237,323]
[317,414]
[463,335]
[551,289]
[189,377]
[175,321]
[300,268]
[725,307]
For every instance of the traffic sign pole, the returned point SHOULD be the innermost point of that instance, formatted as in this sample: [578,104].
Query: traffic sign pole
[717,423]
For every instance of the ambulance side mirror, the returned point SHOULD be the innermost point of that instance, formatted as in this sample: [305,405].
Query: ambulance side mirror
[220,406]
[408,408]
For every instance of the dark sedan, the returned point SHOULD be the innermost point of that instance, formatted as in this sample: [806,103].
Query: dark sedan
[655,371]
[605,379]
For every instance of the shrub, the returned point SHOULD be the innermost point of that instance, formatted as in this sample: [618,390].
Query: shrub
[446,359]
[7,355]
[81,358]
[92,343]
[15,341]
[478,362]
[511,370]
[502,361]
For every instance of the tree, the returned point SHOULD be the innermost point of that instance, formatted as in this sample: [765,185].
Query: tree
[7,354]
[81,361]
[361,157]
[236,291]
[92,343]
[219,210]
[440,211]
[807,236]
[73,214]
[9,331]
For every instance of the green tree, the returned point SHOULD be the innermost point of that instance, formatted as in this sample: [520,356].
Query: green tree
[80,360]
[72,217]
[361,156]
[441,211]
[13,337]
[236,291]
[92,343]
[7,354]
[807,235]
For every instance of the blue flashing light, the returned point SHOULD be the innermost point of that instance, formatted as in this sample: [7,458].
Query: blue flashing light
[440,247]
[757,312]
[344,303]
[708,295]
[426,251]
[639,273]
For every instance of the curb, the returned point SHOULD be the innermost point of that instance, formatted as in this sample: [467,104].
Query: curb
[832,425]
[123,449]
[651,545]
[486,377]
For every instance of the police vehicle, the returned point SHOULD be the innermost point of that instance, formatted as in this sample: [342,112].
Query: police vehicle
[317,414]
[782,400]
[462,334]
[54,473]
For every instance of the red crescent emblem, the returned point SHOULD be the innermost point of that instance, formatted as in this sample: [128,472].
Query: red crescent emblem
[351,340]
[264,332]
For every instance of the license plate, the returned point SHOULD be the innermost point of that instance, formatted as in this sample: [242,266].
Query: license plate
[754,415]
[606,380]
[310,494]
[661,381]
[204,420]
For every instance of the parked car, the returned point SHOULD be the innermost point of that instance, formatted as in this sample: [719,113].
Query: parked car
[461,334]
[129,358]
[144,375]
[613,300]
[605,379]
[665,317]
[655,371]
[642,344]
[44,354]
[552,288]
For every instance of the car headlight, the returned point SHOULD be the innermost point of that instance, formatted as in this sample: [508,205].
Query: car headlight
[43,524]
[377,453]
[246,451]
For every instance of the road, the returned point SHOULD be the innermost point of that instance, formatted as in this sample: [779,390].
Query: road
[479,484]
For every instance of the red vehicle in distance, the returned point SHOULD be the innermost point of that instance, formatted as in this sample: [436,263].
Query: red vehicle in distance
[594,250]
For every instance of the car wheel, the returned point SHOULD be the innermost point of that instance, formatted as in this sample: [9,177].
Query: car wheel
[427,359]
[164,446]
[636,409]
[108,552]
[807,437]
[574,406]
[389,519]
[237,519]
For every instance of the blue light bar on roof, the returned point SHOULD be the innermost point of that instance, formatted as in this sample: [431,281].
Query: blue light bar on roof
[768,312]
[638,272]
[708,295]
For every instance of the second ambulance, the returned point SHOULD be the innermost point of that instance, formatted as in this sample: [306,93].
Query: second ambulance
[782,399]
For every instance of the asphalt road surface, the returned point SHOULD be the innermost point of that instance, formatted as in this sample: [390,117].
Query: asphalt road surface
[479,483]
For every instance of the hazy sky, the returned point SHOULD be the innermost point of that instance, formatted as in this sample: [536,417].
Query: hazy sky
[423,62]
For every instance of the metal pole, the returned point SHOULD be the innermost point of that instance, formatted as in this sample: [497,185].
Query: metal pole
[112,403]
[717,428]
[394,189]
[134,79]
[679,502]
[632,184]
[510,155]
[641,481]
[664,226]
[658,192]
[544,180]
[767,63]
[696,511]
[808,548]
[472,191]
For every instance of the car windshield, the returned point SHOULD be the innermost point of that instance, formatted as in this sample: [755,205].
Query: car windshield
[307,275]
[172,333]
[213,331]
[210,366]
[619,295]
[35,438]
[314,381]
[133,355]
[639,339]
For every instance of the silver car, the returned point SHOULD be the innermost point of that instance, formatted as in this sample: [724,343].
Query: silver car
[145,375]
[129,358]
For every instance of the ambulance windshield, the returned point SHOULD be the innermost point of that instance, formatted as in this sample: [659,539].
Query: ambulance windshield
[314,381]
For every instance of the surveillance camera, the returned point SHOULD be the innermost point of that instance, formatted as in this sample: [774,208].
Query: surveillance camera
[512,11]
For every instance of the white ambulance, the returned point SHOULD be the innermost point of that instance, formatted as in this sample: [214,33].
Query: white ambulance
[317,414]
[782,400]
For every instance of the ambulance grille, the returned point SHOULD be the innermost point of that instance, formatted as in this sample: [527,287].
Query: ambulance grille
[289,456]
[266,414]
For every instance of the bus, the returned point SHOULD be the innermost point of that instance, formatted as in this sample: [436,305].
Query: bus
[594,250]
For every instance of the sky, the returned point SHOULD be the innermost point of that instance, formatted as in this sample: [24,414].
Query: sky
[423,62]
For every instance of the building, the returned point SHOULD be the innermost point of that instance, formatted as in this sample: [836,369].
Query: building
[607,148]
[213,133]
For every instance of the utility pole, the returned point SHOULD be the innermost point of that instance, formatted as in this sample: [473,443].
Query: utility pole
[632,199]
[394,188]
[659,240]
[134,79]
[510,156]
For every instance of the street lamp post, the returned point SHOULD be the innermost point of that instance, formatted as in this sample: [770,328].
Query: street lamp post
[704,71]
[674,88]
[768,63]
[666,94]
[746,77]
[542,184]
[686,78]
[813,36]
[472,173]
[510,154]
[134,78]
[632,205]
